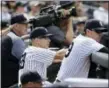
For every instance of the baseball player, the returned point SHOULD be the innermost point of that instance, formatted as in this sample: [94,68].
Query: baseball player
[76,62]
[38,57]
[31,80]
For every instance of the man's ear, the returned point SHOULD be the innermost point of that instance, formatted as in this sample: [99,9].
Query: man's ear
[88,31]
[16,25]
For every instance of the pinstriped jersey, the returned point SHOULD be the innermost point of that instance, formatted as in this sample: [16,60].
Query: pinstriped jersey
[76,62]
[36,59]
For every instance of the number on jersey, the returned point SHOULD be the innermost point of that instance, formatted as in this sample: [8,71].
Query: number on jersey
[22,61]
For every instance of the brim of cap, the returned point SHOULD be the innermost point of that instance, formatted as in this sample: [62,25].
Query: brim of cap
[49,35]
[25,22]
[101,29]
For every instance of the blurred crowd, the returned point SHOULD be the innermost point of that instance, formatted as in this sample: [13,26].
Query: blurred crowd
[85,10]
[31,9]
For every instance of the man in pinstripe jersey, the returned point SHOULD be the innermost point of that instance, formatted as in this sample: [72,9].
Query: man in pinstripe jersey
[38,57]
[76,62]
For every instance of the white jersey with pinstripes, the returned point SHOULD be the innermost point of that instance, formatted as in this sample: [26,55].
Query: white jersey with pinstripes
[36,59]
[77,63]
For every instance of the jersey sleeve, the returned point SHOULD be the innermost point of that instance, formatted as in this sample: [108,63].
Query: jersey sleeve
[88,47]
[96,46]
[45,56]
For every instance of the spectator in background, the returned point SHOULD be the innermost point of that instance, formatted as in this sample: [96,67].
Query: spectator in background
[11,5]
[102,12]
[12,49]
[35,7]
[49,3]
[79,8]
[81,15]
[19,8]
[79,28]
[5,15]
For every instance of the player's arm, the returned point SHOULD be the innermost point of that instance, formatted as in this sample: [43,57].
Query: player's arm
[60,54]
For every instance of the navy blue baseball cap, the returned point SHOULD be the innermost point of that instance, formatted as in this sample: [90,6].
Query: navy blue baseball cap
[95,25]
[30,77]
[19,18]
[40,32]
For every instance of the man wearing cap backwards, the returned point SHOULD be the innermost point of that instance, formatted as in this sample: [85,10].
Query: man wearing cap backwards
[12,49]
[38,57]
[76,62]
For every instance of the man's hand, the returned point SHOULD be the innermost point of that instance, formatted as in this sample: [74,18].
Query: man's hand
[65,13]
[60,54]
[7,30]
[11,26]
